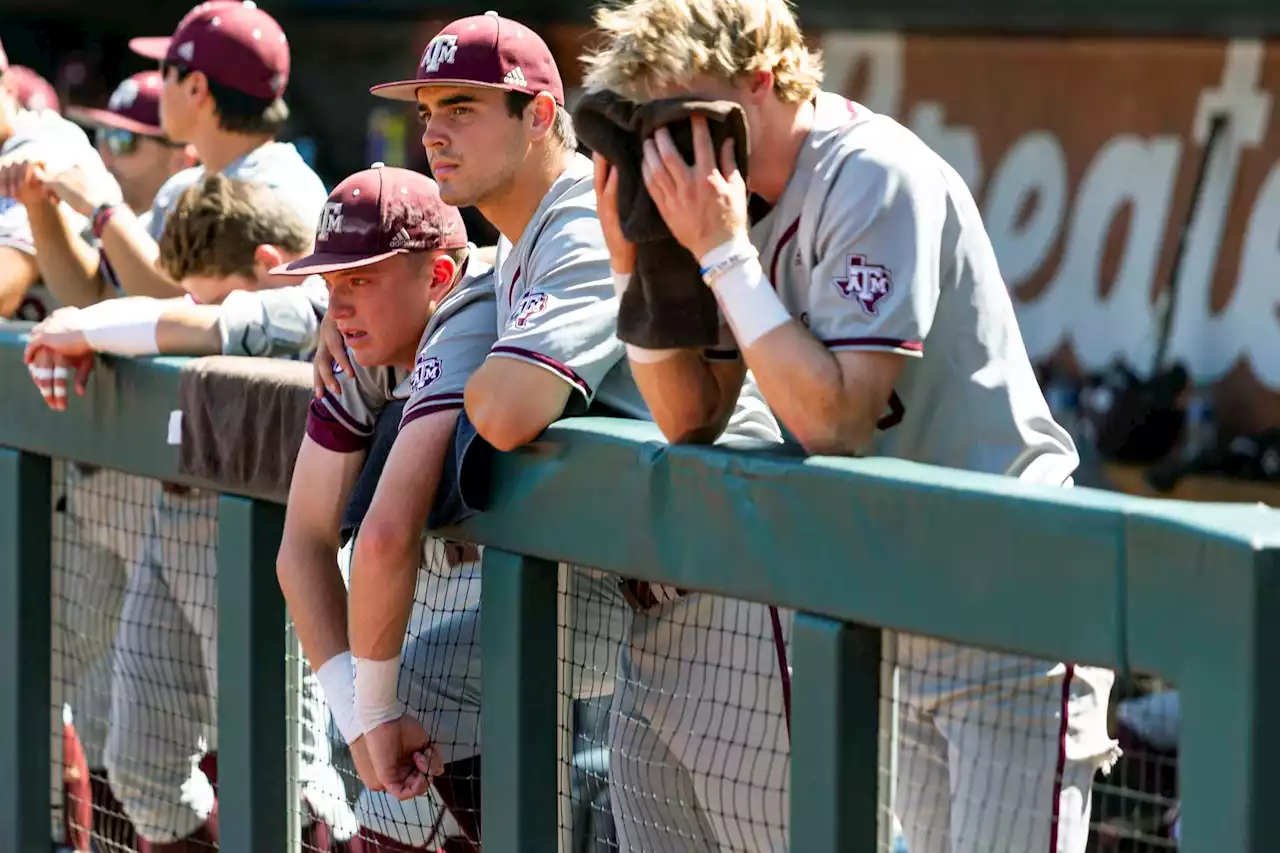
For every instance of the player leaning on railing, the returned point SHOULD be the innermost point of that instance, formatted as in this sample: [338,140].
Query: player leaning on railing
[858,281]
[417,314]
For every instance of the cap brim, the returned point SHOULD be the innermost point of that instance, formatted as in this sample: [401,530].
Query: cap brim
[321,263]
[407,90]
[105,118]
[152,47]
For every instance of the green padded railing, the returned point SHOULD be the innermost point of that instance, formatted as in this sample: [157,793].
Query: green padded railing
[1187,591]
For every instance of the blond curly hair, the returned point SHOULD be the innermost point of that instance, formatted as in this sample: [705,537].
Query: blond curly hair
[651,45]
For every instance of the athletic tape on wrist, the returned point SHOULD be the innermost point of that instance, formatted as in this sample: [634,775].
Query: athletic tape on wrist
[748,301]
[338,680]
[377,700]
[122,326]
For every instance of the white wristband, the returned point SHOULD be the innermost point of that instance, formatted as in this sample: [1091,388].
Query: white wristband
[724,257]
[338,680]
[748,301]
[122,326]
[377,700]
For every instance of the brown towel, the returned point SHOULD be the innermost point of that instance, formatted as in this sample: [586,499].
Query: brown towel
[667,304]
[242,421]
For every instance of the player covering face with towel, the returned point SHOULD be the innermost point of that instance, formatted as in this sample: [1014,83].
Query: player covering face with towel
[860,286]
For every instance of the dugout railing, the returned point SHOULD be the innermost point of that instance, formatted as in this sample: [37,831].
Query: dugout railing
[1189,592]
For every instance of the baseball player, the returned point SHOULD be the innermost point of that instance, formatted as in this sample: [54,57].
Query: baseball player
[498,137]
[418,314]
[861,289]
[59,144]
[165,679]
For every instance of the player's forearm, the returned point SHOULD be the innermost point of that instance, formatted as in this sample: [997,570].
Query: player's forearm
[801,380]
[316,597]
[804,385]
[384,573]
[687,402]
[511,403]
[68,265]
[133,256]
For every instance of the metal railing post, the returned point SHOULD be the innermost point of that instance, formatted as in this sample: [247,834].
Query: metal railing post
[835,708]
[252,723]
[26,565]
[518,717]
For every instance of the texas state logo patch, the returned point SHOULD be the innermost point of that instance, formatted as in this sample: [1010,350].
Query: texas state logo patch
[864,283]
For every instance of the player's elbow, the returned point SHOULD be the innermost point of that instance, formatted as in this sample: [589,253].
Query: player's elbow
[510,408]
[694,426]
[833,430]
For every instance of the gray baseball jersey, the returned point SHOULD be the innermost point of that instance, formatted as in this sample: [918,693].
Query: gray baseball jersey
[557,308]
[877,244]
[455,343]
[60,144]
[276,165]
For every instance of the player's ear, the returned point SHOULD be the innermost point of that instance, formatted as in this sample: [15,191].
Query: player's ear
[541,114]
[759,84]
[266,258]
[443,271]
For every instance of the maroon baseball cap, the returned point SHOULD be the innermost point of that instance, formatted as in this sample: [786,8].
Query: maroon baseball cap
[378,213]
[134,106]
[232,43]
[32,91]
[483,50]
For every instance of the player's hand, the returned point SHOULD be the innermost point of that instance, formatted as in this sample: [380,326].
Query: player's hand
[85,190]
[364,765]
[50,371]
[704,204]
[61,333]
[622,252]
[331,356]
[22,179]
[403,757]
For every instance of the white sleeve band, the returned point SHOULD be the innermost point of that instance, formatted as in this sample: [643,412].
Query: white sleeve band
[377,700]
[640,355]
[338,680]
[122,326]
[620,282]
[748,301]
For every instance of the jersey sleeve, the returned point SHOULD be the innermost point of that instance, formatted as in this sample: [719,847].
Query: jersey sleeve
[451,353]
[875,282]
[566,319]
[345,423]
[275,322]
[15,228]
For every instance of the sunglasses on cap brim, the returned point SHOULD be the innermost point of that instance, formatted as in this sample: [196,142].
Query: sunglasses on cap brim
[121,143]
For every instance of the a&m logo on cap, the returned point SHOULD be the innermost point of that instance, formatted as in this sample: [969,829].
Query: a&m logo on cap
[867,283]
[440,51]
[330,220]
[124,96]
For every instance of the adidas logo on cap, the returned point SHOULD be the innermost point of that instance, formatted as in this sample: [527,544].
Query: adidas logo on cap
[515,77]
